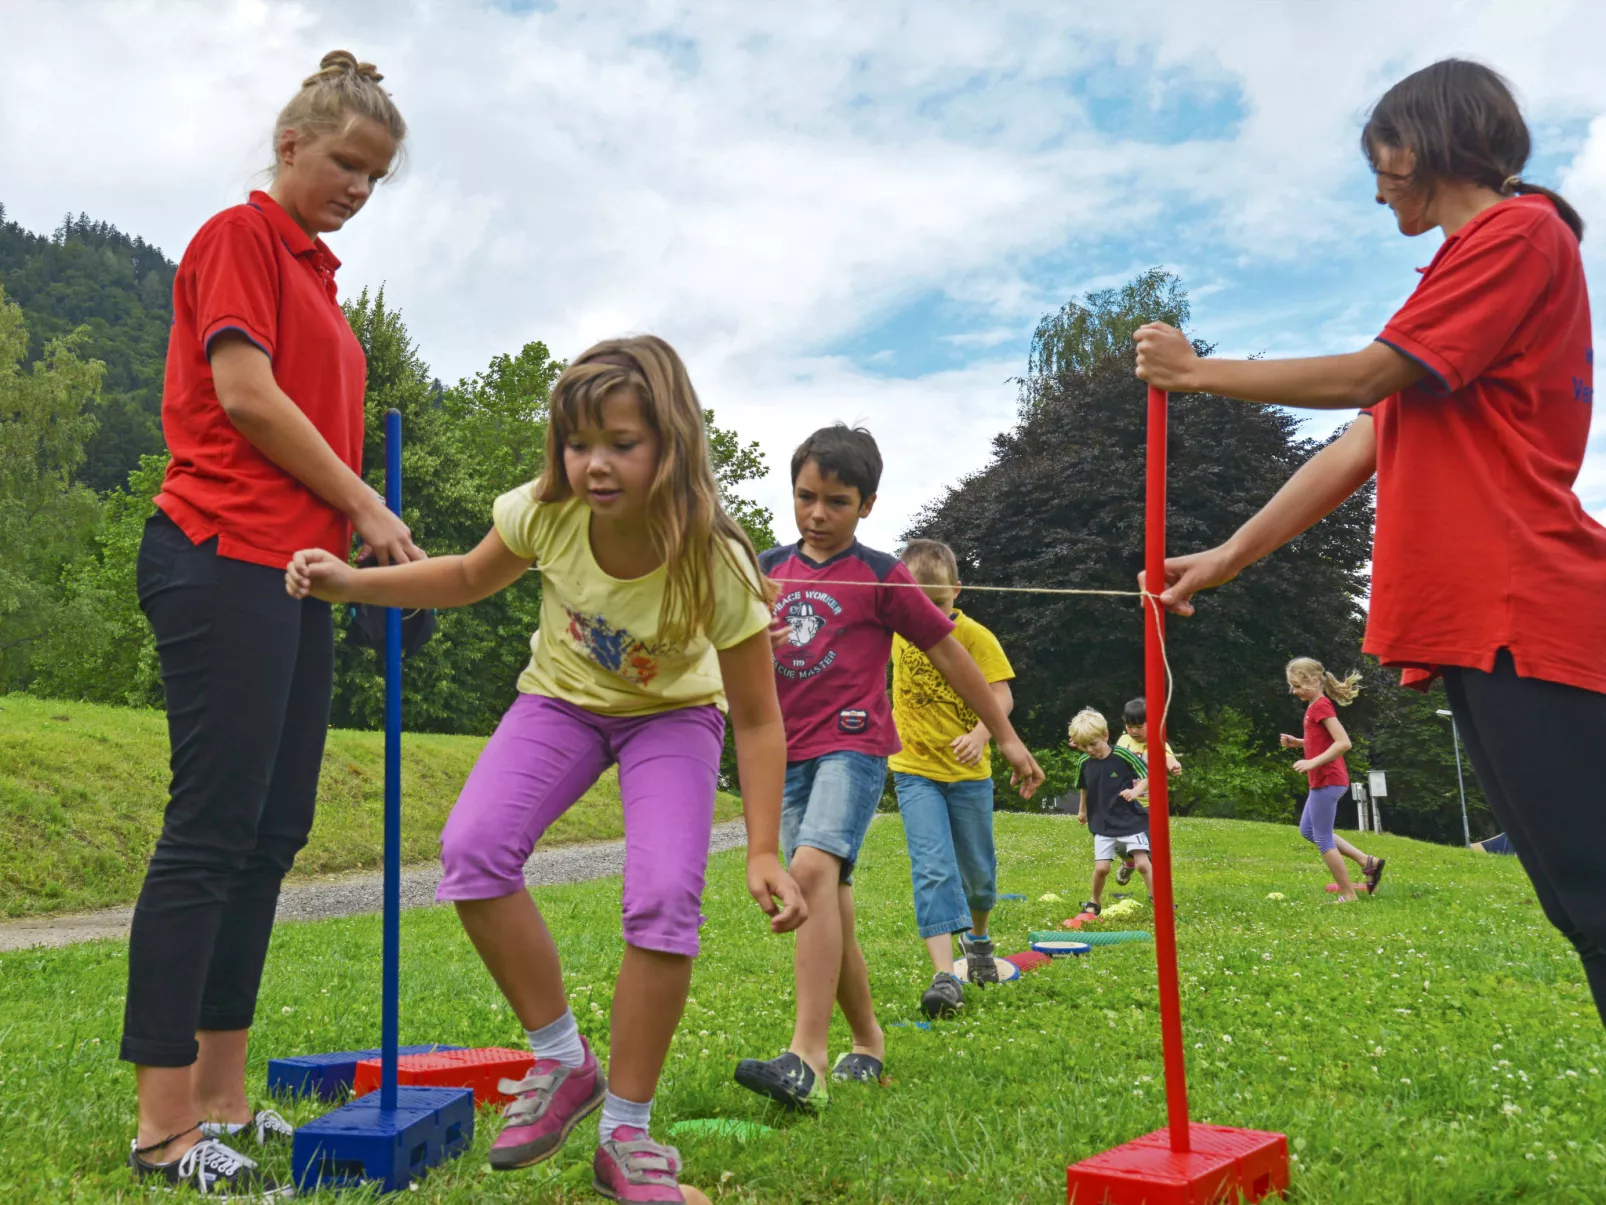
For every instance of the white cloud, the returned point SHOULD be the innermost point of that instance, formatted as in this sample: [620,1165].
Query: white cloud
[758,184]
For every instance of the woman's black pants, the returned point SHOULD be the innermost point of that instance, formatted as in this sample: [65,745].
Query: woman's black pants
[1536,747]
[248,673]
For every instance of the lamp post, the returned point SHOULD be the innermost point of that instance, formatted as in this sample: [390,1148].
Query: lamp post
[1460,782]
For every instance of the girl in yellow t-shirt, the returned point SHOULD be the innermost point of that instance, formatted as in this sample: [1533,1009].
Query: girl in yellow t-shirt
[653,624]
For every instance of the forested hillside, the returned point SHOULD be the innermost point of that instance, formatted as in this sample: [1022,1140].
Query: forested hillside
[118,290]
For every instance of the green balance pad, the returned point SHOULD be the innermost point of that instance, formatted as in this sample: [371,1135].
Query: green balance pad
[723,1127]
[1091,936]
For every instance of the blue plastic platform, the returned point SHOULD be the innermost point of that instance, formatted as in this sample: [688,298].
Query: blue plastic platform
[327,1076]
[362,1143]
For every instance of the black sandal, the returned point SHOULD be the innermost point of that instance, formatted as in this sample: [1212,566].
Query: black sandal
[1372,872]
[862,1068]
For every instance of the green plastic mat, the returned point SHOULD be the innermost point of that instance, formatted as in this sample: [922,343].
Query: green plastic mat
[723,1127]
[1092,937]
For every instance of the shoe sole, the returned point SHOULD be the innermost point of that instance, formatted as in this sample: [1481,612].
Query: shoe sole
[756,1077]
[603,1190]
[522,1160]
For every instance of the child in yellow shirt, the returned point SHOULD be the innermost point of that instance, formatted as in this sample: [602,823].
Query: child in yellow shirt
[1135,739]
[945,787]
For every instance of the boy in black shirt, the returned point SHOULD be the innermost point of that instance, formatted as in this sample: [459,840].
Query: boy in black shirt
[1109,784]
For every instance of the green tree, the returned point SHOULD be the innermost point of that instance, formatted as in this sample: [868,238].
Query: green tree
[117,292]
[1061,504]
[1086,333]
[100,649]
[46,517]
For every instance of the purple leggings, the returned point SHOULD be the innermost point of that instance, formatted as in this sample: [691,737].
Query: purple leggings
[1321,809]
[543,756]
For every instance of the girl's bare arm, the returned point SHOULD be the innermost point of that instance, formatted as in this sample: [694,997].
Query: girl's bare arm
[447,581]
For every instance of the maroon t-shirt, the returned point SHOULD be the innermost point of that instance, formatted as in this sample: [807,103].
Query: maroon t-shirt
[832,672]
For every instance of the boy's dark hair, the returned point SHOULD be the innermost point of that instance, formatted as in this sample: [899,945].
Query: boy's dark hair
[847,453]
[1135,712]
[1462,123]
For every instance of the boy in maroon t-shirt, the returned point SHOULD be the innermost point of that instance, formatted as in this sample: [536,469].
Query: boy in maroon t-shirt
[837,607]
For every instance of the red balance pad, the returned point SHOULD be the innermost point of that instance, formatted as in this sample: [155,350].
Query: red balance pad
[1028,960]
[478,1069]
[1224,1164]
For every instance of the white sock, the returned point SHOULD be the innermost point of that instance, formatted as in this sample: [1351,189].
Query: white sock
[616,1112]
[559,1040]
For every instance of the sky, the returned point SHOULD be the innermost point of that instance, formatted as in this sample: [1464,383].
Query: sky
[835,210]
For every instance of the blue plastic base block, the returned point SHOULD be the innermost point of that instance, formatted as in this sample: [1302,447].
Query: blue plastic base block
[327,1076]
[361,1143]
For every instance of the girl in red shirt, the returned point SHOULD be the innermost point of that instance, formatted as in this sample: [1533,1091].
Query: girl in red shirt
[1476,403]
[262,409]
[1323,745]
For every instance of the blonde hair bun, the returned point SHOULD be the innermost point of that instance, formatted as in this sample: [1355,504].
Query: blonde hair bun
[342,62]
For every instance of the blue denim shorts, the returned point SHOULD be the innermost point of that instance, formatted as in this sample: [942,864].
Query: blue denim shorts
[949,830]
[829,802]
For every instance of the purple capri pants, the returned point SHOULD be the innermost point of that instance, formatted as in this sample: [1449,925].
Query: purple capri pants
[1321,809]
[543,756]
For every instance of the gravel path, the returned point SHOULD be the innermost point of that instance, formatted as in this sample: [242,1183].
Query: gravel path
[350,895]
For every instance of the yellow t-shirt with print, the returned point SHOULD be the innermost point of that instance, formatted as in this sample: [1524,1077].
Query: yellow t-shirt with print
[598,645]
[1132,745]
[929,713]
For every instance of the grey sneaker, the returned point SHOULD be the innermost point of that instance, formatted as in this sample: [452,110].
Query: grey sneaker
[944,997]
[211,1168]
[266,1128]
[1124,875]
[979,962]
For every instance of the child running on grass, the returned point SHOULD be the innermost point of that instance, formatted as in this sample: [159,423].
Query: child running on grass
[839,605]
[1135,717]
[651,599]
[944,779]
[1109,783]
[1324,744]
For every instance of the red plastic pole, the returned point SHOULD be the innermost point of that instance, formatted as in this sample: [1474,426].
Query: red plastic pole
[1155,690]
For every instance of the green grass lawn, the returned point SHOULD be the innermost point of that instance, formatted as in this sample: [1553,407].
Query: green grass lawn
[82,790]
[1434,1044]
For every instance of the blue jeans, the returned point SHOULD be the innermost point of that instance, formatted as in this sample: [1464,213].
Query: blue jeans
[949,829]
[828,804]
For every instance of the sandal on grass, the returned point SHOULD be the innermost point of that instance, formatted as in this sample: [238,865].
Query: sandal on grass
[1372,872]
[864,1068]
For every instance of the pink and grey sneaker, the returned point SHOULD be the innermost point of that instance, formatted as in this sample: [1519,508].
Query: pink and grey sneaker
[549,1102]
[632,1167]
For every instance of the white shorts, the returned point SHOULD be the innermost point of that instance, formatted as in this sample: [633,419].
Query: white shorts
[1105,849]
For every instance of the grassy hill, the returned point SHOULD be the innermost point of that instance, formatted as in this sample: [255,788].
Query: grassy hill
[1433,1045]
[82,790]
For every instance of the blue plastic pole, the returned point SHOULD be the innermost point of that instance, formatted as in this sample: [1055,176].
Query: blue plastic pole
[393,698]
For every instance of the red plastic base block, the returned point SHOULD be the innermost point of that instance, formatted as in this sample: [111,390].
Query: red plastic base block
[1028,960]
[478,1069]
[1225,1165]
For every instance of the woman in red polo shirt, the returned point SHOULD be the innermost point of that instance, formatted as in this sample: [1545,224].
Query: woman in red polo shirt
[1476,399]
[262,409]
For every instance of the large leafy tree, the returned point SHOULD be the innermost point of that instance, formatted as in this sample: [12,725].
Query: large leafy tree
[116,292]
[1061,504]
[46,516]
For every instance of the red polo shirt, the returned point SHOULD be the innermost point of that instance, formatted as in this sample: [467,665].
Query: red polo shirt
[252,270]
[1481,543]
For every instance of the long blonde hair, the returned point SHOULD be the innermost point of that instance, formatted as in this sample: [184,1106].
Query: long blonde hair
[689,527]
[1341,690]
[335,97]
